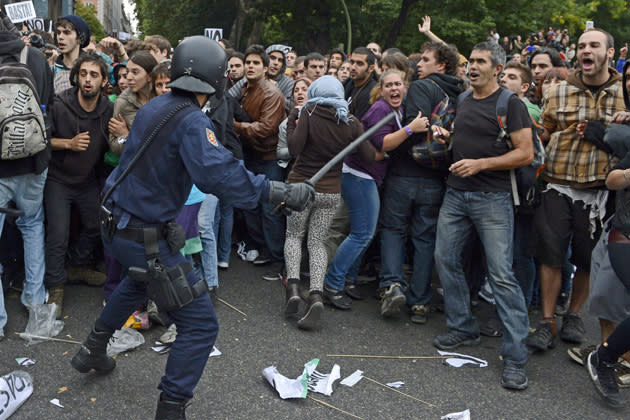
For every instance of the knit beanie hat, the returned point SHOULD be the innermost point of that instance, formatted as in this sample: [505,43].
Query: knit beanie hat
[82,28]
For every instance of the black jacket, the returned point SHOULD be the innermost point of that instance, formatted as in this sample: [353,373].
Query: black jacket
[423,95]
[11,45]
[359,97]
[222,112]
[69,119]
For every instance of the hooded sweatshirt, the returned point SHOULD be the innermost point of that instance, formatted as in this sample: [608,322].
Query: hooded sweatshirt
[68,119]
[423,95]
[11,45]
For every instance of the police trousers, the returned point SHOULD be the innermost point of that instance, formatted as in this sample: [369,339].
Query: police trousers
[197,324]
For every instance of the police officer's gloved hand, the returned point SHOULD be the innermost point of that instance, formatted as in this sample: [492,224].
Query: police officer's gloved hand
[294,196]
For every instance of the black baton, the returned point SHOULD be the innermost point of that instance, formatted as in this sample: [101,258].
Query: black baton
[339,156]
[348,149]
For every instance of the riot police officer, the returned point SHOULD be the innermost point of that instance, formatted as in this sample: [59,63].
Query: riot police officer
[171,146]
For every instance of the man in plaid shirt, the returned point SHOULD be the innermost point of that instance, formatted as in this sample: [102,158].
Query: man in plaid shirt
[574,202]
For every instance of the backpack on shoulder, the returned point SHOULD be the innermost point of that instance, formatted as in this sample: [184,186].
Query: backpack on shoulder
[523,179]
[430,153]
[22,127]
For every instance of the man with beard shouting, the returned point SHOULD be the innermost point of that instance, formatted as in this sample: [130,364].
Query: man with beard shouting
[574,202]
[79,141]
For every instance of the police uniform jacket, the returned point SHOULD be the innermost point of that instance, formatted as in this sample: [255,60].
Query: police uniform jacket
[185,151]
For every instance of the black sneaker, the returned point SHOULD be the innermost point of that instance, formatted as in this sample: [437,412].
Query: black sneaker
[419,314]
[262,259]
[603,378]
[579,354]
[514,377]
[454,339]
[542,339]
[272,276]
[274,273]
[353,291]
[572,329]
[337,298]
[391,301]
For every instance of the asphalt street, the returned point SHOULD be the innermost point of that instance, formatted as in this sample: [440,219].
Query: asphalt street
[232,386]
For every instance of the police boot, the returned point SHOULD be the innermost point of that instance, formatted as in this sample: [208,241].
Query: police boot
[169,409]
[93,353]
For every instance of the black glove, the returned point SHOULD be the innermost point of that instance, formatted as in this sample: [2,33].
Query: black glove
[293,196]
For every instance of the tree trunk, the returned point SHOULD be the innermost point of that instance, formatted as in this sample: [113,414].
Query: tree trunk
[257,31]
[402,18]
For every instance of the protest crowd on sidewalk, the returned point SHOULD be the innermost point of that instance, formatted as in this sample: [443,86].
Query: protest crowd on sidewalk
[500,173]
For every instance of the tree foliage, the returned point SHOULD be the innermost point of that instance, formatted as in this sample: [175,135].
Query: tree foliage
[88,14]
[320,25]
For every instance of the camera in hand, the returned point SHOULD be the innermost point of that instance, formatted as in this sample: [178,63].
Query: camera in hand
[37,41]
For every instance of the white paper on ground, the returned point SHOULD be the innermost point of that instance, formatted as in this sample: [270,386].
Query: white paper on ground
[124,339]
[395,384]
[459,360]
[464,415]
[161,347]
[290,388]
[25,361]
[215,352]
[353,379]
[56,402]
[15,388]
[322,383]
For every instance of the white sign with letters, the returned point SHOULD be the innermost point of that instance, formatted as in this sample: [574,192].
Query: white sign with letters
[213,33]
[36,24]
[19,12]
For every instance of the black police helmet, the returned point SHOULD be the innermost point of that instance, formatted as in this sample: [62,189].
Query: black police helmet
[199,65]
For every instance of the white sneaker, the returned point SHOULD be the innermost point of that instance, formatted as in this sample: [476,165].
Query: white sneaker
[223,264]
[486,293]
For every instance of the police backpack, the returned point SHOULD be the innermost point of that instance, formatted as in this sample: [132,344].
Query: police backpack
[523,180]
[22,127]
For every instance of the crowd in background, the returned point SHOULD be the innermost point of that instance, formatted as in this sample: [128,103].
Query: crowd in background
[417,222]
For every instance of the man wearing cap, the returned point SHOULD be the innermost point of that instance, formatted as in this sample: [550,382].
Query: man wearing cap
[144,195]
[73,34]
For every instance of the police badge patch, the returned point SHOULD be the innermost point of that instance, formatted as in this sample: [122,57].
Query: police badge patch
[211,138]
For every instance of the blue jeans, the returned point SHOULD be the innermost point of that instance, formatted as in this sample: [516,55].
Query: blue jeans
[272,226]
[223,224]
[363,204]
[197,325]
[415,202]
[28,192]
[205,219]
[492,216]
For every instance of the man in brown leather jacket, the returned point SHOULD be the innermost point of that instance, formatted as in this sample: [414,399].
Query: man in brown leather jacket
[264,104]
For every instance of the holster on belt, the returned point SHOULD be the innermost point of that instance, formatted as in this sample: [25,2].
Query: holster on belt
[108,223]
[167,287]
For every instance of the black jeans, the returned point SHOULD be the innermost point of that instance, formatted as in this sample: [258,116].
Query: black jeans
[58,200]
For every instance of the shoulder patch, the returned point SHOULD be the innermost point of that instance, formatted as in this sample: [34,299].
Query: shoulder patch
[211,138]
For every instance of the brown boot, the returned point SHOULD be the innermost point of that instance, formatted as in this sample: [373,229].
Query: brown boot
[311,318]
[55,295]
[293,298]
[83,274]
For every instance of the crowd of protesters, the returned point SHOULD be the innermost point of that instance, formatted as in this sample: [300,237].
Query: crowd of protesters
[428,199]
